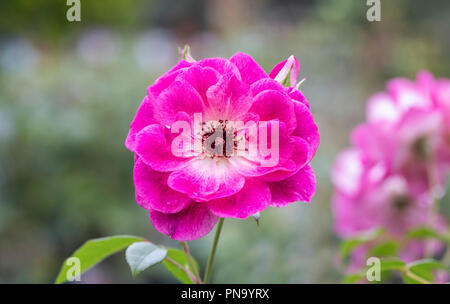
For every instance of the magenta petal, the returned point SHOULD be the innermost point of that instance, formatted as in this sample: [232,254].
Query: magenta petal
[250,165]
[230,98]
[297,95]
[192,223]
[253,198]
[163,82]
[153,148]
[299,187]
[201,78]
[222,66]
[290,67]
[265,84]
[306,128]
[299,158]
[143,118]
[272,105]
[249,69]
[206,179]
[152,191]
[179,96]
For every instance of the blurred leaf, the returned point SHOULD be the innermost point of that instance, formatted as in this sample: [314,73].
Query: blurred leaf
[386,249]
[96,250]
[141,255]
[392,264]
[426,233]
[181,258]
[349,245]
[421,271]
[353,278]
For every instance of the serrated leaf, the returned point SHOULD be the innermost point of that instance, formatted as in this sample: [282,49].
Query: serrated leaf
[142,255]
[96,250]
[181,258]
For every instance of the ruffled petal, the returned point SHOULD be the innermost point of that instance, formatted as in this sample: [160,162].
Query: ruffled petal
[223,66]
[299,158]
[143,118]
[249,69]
[191,223]
[299,187]
[179,96]
[272,105]
[152,191]
[201,78]
[253,198]
[297,95]
[154,149]
[229,99]
[263,157]
[165,80]
[206,179]
[306,128]
[265,84]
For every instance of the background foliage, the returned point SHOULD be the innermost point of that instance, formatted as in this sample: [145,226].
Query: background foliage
[68,92]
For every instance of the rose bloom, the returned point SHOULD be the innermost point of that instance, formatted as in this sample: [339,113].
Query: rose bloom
[397,165]
[408,128]
[186,192]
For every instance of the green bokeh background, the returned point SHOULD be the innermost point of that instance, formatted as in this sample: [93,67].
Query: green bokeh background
[68,92]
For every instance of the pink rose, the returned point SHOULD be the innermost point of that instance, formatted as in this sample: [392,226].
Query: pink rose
[187,191]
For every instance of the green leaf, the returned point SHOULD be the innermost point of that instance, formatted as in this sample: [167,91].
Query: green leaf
[141,255]
[423,269]
[386,249]
[353,278]
[349,245]
[96,250]
[181,258]
[427,233]
[392,264]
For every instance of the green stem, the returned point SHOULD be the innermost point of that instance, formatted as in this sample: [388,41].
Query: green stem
[213,252]
[185,270]
[434,210]
[191,260]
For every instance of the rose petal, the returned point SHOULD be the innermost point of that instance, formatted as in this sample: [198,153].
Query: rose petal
[154,149]
[192,223]
[253,198]
[179,96]
[249,69]
[143,118]
[152,191]
[299,187]
[205,179]
[272,105]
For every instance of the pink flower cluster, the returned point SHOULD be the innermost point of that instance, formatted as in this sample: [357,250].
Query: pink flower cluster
[185,193]
[398,162]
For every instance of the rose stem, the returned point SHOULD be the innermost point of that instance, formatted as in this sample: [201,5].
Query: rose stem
[213,252]
[190,260]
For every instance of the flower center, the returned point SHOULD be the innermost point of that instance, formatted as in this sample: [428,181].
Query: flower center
[219,138]
[401,203]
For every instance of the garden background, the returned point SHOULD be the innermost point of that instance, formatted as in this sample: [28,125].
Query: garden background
[68,92]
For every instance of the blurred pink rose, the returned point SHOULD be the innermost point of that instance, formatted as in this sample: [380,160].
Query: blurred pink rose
[397,165]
